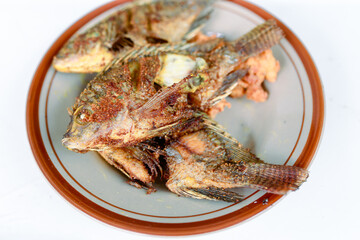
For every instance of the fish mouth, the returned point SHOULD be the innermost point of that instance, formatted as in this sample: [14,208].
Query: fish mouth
[70,144]
[73,145]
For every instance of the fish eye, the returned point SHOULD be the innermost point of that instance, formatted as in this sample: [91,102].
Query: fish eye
[196,81]
[81,115]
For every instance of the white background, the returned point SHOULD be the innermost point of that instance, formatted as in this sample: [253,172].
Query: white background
[326,207]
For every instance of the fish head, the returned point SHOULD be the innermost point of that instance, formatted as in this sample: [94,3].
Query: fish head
[85,133]
[79,134]
[101,116]
[99,110]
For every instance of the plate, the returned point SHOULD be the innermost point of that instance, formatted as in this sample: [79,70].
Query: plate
[284,130]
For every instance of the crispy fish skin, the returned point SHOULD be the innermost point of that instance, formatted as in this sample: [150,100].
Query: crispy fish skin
[208,163]
[141,23]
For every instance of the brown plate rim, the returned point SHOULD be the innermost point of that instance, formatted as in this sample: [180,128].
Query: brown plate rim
[175,229]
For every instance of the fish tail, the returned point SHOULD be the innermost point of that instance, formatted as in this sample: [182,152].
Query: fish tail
[259,39]
[276,179]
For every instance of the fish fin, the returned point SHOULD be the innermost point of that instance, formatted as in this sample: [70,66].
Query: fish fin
[160,96]
[211,193]
[188,84]
[235,151]
[138,184]
[277,179]
[178,128]
[229,83]
[259,39]
[150,50]
[150,161]
[113,162]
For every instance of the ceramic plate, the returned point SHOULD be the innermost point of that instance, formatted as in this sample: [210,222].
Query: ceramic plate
[284,130]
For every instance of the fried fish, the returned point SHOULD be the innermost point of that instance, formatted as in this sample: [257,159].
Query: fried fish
[140,23]
[209,163]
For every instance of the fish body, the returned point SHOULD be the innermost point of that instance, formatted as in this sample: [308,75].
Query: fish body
[208,163]
[142,22]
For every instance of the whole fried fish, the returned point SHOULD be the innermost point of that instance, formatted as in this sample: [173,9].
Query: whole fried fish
[208,163]
[141,23]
